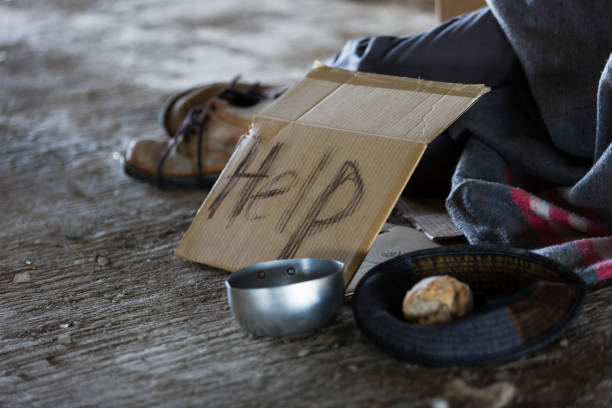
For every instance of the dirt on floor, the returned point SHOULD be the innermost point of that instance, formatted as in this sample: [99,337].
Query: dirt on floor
[94,308]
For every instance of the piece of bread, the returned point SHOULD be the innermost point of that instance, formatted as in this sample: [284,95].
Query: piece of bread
[437,299]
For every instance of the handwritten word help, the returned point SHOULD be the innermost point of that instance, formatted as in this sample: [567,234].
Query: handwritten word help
[254,184]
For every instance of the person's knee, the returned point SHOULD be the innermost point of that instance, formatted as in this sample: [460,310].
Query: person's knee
[469,49]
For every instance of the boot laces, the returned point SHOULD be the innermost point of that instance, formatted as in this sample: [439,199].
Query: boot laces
[194,124]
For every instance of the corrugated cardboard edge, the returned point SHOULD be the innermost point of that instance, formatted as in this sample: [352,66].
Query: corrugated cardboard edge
[327,73]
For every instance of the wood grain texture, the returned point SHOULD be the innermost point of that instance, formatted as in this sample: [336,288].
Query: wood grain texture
[78,80]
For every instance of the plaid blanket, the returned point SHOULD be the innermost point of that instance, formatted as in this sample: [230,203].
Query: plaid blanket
[534,156]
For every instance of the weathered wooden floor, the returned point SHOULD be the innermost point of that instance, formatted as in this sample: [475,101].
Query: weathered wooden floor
[109,317]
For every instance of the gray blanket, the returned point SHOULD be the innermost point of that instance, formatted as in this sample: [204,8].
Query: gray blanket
[530,165]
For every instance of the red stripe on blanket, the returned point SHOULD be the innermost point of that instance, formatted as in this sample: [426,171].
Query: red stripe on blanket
[578,223]
[540,225]
[555,196]
[556,214]
[604,269]
[575,221]
[589,253]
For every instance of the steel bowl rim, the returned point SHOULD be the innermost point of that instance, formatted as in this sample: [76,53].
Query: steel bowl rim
[229,286]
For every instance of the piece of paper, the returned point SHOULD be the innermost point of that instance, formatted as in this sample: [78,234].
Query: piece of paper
[397,240]
[321,168]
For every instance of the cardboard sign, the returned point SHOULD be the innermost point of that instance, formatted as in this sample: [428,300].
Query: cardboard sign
[321,168]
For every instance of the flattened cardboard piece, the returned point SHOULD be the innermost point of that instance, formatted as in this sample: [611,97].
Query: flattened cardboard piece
[398,240]
[321,168]
[430,217]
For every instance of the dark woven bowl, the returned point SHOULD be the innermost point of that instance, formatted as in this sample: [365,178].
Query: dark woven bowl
[523,302]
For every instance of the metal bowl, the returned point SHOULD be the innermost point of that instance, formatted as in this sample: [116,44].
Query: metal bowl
[290,296]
